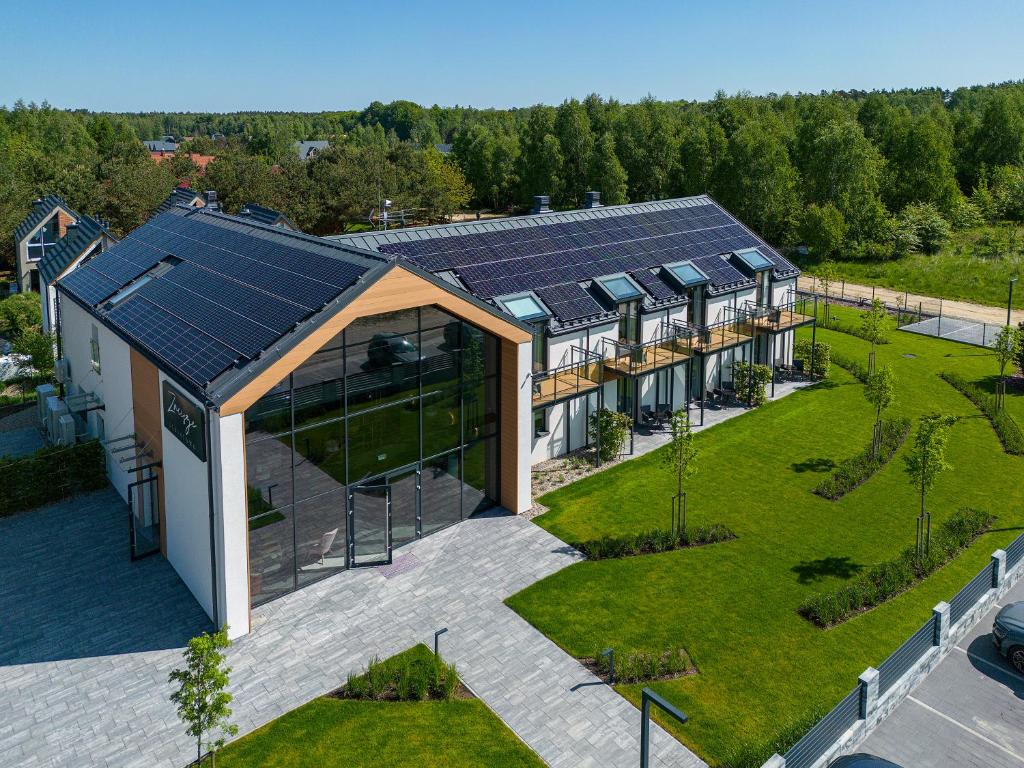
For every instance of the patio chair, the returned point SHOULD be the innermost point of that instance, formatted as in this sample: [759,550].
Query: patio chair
[324,547]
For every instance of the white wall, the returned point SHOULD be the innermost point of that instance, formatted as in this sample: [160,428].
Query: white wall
[112,384]
[524,434]
[228,466]
[187,513]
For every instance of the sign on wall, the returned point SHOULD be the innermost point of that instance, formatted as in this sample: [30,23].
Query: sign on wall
[184,420]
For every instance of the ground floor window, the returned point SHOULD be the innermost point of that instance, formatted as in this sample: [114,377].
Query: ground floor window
[386,434]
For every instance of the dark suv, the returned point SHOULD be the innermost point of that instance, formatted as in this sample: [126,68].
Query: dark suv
[1008,634]
[387,349]
[861,760]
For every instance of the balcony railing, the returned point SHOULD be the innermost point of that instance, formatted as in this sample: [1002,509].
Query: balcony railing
[673,345]
[776,319]
[584,373]
[724,334]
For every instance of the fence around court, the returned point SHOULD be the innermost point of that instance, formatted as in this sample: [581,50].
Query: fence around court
[880,690]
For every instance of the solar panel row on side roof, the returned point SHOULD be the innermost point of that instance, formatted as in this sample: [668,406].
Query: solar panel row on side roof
[569,302]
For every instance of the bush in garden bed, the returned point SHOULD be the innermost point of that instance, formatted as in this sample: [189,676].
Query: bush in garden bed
[1006,428]
[886,580]
[857,470]
[652,542]
[50,474]
[858,369]
[643,666]
[822,355]
[413,675]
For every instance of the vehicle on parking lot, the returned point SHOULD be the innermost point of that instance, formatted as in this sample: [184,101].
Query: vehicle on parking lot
[387,349]
[862,760]
[1008,634]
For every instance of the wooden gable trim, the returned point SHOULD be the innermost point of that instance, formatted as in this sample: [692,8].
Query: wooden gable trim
[395,290]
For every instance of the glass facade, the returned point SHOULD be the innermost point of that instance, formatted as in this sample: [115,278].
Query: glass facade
[398,411]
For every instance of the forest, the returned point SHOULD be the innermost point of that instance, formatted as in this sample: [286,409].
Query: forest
[870,175]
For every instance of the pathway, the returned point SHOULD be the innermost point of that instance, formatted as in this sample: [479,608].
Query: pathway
[86,683]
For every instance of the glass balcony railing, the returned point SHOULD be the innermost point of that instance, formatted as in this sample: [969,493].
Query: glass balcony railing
[673,345]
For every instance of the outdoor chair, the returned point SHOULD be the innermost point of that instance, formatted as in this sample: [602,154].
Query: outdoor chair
[324,547]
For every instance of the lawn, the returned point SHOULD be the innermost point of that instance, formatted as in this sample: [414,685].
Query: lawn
[345,733]
[763,668]
[975,265]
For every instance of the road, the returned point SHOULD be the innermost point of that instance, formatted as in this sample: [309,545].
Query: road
[968,712]
[981,313]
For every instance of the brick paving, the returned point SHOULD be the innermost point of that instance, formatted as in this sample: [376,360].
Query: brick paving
[87,639]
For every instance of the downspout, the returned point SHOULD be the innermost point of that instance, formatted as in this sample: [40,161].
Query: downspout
[213,534]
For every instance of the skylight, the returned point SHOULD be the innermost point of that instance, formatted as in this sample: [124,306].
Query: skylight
[754,259]
[687,274]
[524,307]
[620,287]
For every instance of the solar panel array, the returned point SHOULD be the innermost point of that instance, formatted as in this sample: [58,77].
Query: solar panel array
[569,302]
[499,262]
[236,289]
[658,289]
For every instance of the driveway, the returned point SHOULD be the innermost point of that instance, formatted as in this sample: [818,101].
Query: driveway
[87,639]
[968,712]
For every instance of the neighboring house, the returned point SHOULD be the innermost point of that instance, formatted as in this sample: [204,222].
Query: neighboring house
[201,161]
[37,234]
[284,407]
[83,239]
[165,144]
[444,149]
[310,149]
[183,196]
[267,216]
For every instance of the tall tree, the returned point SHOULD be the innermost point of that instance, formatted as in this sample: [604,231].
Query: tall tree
[607,175]
[572,127]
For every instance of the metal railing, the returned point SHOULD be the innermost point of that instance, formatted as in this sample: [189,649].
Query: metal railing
[777,317]
[673,344]
[584,373]
[722,334]
[826,733]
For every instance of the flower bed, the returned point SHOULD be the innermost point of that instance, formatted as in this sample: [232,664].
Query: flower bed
[413,675]
[857,470]
[653,542]
[644,666]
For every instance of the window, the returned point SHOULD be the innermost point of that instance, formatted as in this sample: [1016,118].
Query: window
[540,422]
[687,274]
[94,349]
[754,259]
[524,307]
[763,294]
[540,348]
[620,287]
[629,322]
[43,240]
[695,309]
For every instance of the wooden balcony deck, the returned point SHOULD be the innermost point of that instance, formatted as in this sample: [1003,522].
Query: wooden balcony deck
[719,339]
[786,320]
[564,384]
[647,360]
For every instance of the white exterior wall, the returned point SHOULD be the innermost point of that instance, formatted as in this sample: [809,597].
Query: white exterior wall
[227,464]
[112,384]
[524,432]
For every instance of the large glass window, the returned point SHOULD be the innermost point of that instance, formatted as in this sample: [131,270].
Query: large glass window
[406,399]
[629,322]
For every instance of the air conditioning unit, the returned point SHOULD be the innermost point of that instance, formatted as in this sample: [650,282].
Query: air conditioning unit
[65,430]
[60,370]
[55,408]
[43,392]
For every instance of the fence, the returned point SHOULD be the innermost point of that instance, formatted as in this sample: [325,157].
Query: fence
[879,691]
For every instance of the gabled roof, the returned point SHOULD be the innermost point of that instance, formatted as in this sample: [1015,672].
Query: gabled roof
[180,196]
[72,246]
[265,215]
[558,255]
[42,209]
[161,145]
[303,148]
[203,293]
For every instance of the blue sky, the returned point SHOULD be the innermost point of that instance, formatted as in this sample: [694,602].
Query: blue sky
[219,55]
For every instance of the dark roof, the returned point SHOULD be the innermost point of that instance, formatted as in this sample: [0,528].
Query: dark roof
[444,149]
[71,247]
[558,255]
[208,293]
[179,196]
[161,145]
[303,148]
[41,210]
[265,215]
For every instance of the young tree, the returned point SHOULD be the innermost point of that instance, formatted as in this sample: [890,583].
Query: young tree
[679,457]
[827,274]
[925,462]
[873,325]
[879,391]
[201,698]
[1005,350]
[609,429]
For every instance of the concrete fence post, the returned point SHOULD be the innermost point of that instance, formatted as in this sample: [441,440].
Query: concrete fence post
[775,761]
[940,613]
[998,568]
[868,692]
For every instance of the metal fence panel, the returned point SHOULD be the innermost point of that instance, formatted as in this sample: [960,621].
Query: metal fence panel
[826,732]
[965,599]
[904,657]
[1015,552]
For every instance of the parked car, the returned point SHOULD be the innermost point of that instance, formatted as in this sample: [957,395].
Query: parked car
[1008,634]
[387,349]
[862,760]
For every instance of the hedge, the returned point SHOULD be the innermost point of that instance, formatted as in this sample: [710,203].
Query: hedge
[51,474]
[642,666]
[885,581]
[413,675]
[857,470]
[858,369]
[822,356]
[653,542]
[1006,428]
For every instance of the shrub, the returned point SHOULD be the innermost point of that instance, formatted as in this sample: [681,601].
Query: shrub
[614,429]
[644,666]
[822,356]
[413,675]
[653,541]
[857,470]
[1006,428]
[51,474]
[931,229]
[888,579]
[858,369]
[751,382]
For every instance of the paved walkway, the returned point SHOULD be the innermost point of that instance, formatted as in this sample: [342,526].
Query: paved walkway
[19,433]
[968,712]
[88,685]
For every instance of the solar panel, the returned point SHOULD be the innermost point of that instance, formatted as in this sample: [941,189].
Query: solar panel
[568,302]
[654,285]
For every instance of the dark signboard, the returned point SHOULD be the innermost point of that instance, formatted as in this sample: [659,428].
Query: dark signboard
[184,420]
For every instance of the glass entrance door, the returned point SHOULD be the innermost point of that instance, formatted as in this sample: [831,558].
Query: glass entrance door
[371,524]
[405,505]
[144,516]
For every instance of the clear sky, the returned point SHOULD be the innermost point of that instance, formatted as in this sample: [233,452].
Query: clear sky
[221,55]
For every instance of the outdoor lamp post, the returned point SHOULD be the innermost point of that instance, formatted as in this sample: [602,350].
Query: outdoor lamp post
[1009,302]
[650,697]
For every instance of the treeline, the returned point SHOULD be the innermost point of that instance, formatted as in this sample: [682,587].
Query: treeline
[875,174]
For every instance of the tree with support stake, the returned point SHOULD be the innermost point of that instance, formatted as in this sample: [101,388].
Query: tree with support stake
[680,457]
[879,390]
[925,462]
[201,698]
[873,325]
[827,274]
[1005,350]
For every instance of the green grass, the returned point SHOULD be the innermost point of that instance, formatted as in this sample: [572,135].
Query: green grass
[346,733]
[734,605]
[975,265]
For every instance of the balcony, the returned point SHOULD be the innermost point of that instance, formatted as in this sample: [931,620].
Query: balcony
[777,319]
[725,334]
[674,345]
[582,375]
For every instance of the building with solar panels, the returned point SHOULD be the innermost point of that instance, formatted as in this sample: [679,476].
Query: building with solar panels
[277,408]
